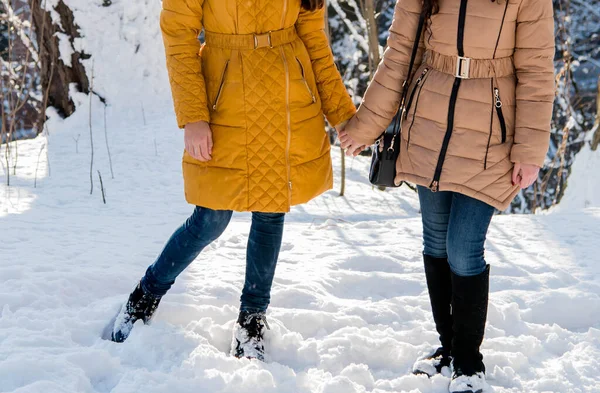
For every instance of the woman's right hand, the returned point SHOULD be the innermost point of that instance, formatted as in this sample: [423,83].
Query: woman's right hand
[198,140]
[351,147]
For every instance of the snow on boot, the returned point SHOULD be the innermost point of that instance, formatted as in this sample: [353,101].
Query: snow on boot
[437,362]
[140,305]
[248,340]
[463,383]
[469,311]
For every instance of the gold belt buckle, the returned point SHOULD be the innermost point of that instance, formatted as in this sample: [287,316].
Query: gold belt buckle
[263,40]
[463,67]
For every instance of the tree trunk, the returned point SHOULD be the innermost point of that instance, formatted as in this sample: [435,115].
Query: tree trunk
[596,128]
[373,35]
[56,76]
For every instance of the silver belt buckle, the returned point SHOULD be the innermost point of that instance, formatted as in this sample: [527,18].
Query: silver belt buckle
[463,67]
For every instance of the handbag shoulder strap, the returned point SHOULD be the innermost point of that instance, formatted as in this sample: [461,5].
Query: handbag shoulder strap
[397,118]
[413,57]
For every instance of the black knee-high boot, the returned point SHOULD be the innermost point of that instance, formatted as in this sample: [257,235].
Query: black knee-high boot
[469,311]
[439,284]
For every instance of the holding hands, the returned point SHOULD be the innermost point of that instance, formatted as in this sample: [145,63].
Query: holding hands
[351,147]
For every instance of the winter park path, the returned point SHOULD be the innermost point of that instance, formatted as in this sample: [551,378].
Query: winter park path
[349,313]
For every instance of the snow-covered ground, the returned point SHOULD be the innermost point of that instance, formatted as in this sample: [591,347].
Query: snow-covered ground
[350,311]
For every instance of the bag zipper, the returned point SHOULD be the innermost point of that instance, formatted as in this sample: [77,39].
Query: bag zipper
[412,94]
[498,105]
[214,107]
[420,84]
[435,183]
[314,99]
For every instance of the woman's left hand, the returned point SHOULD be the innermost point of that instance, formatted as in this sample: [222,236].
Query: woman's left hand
[525,175]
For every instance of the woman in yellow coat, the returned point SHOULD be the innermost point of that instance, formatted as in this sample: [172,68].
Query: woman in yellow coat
[252,101]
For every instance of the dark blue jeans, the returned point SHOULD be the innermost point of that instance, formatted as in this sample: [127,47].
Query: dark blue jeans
[202,228]
[455,227]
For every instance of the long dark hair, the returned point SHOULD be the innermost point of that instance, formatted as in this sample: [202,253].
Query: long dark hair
[312,5]
[431,7]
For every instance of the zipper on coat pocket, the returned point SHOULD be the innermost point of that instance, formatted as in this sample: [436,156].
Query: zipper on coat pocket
[312,96]
[420,84]
[412,94]
[220,86]
[498,105]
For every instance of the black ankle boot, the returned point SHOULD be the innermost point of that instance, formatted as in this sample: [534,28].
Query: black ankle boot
[439,285]
[248,336]
[469,311]
[140,305]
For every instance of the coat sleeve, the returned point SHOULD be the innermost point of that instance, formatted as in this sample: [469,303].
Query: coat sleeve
[533,57]
[382,98]
[336,102]
[181,23]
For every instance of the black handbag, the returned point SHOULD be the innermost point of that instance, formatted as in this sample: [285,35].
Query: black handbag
[387,146]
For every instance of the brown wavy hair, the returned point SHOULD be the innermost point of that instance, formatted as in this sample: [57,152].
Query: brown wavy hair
[313,5]
[431,7]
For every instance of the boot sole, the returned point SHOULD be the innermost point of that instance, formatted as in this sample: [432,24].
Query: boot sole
[107,332]
[419,372]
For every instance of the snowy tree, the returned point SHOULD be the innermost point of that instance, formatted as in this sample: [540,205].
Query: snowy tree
[3,35]
[57,31]
[19,83]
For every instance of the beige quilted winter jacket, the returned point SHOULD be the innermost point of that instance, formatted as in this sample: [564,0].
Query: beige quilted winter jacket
[263,80]
[463,132]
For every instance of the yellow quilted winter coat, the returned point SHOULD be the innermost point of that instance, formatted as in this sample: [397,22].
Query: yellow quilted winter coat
[263,79]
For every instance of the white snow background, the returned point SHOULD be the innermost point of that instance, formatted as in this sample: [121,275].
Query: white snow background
[350,311]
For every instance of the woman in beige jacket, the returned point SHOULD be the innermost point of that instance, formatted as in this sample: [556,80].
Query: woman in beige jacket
[475,129]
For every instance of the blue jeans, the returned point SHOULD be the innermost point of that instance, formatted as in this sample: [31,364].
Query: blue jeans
[455,227]
[202,228]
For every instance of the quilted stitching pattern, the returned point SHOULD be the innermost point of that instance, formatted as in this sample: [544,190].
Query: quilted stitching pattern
[267,129]
[337,104]
[257,16]
[183,63]
[253,115]
[189,91]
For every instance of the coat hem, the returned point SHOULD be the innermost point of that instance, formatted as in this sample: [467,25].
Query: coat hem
[461,189]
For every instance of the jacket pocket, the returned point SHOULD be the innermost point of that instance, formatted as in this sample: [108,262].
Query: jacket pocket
[419,85]
[220,90]
[420,80]
[498,105]
[312,95]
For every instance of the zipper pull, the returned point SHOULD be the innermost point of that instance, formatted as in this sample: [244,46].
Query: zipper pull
[435,185]
[290,183]
[422,76]
[497,100]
